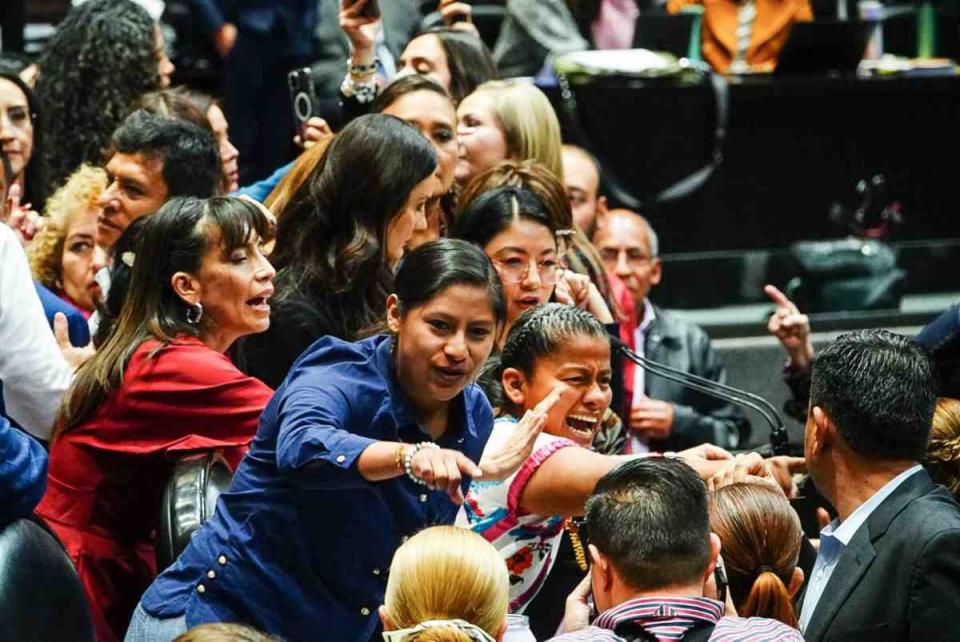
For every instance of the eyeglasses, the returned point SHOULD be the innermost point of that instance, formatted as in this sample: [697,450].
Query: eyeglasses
[516,270]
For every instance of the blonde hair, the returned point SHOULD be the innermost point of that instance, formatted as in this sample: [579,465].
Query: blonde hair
[943,452]
[223,633]
[71,201]
[761,535]
[445,572]
[530,125]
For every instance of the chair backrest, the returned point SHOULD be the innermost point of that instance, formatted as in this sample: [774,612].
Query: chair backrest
[188,501]
[41,597]
[678,34]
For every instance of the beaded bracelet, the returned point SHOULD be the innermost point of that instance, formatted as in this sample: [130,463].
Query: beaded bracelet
[408,460]
[361,70]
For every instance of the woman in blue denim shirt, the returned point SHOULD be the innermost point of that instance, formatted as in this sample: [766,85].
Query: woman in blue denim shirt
[362,446]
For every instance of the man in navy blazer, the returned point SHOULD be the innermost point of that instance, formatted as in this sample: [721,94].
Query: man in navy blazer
[260,41]
[889,565]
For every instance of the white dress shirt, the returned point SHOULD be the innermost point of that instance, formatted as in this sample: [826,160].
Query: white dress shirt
[637,444]
[33,372]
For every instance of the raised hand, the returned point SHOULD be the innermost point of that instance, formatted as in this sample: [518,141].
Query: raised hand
[314,130]
[791,327]
[578,290]
[519,446]
[360,30]
[21,218]
[457,15]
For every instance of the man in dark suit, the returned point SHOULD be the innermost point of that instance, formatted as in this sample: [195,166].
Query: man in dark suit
[889,565]
[260,42]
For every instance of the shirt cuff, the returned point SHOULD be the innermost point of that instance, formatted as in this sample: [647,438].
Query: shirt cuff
[326,463]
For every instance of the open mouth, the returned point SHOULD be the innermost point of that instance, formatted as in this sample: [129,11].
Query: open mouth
[584,425]
[450,375]
[529,301]
[260,304]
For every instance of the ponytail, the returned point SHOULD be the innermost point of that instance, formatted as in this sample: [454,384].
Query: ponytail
[769,598]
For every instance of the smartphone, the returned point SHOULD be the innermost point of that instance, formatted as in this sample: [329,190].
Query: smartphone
[302,96]
[371,9]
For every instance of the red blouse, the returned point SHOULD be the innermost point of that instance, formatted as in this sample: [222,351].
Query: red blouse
[107,475]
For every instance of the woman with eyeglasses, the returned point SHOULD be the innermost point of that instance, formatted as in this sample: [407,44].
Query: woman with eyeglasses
[515,229]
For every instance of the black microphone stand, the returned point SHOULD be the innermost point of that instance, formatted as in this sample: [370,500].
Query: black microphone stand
[779,441]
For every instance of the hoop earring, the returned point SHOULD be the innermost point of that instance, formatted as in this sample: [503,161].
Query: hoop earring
[194,313]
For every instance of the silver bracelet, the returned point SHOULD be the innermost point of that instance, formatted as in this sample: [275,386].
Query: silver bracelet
[363,92]
[408,460]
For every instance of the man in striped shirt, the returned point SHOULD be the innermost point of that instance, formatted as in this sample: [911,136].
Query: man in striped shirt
[653,564]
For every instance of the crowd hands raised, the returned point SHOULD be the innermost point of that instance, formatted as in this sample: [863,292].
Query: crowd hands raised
[410,325]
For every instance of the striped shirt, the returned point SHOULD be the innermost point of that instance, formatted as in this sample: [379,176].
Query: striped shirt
[668,618]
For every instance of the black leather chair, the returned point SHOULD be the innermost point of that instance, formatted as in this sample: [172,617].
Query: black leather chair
[41,598]
[188,501]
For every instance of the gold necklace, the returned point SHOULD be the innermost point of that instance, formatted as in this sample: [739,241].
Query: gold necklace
[578,551]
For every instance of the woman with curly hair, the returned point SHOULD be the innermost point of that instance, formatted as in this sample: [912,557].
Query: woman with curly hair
[64,256]
[102,58]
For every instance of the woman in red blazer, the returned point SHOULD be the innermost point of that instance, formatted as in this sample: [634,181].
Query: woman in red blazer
[158,387]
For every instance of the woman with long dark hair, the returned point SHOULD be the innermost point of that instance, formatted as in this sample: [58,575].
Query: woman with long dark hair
[102,58]
[426,105]
[159,386]
[363,445]
[21,136]
[339,238]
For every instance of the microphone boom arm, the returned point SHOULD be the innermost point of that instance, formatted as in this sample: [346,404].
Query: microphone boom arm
[778,433]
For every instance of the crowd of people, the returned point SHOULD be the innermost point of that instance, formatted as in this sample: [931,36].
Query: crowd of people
[406,344]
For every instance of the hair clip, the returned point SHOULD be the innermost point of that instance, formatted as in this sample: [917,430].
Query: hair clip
[128,258]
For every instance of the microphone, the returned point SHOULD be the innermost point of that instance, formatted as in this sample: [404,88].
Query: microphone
[779,441]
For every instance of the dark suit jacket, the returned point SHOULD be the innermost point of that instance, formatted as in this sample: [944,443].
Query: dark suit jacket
[677,343]
[899,578]
[287,19]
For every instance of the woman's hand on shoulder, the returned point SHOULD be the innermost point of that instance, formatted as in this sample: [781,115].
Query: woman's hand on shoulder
[578,290]
[499,465]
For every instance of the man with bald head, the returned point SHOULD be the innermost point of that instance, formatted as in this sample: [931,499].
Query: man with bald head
[663,415]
